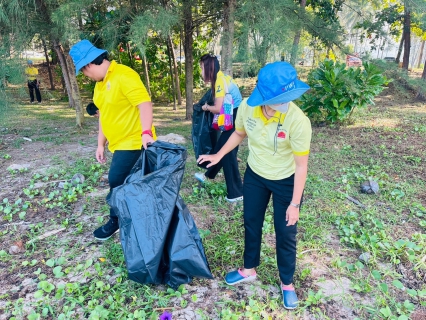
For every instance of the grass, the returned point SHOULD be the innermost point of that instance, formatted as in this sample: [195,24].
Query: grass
[67,275]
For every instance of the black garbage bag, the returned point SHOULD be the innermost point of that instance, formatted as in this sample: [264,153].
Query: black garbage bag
[185,249]
[146,207]
[204,137]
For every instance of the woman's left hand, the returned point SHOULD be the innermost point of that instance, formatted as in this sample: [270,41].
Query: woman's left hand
[292,215]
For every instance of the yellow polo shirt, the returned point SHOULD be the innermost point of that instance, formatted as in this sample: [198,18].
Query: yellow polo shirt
[232,88]
[272,143]
[117,97]
[31,73]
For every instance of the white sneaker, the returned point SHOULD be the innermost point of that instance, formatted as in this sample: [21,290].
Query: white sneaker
[200,177]
[234,199]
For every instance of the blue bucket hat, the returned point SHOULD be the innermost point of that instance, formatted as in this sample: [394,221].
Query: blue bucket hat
[29,61]
[276,83]
[83,53]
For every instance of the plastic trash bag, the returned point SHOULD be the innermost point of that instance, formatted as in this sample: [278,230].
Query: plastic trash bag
[185,249]
[204,137]
[149,215]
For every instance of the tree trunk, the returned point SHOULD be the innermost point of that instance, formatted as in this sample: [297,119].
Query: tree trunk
[146,74]
[422,47]
[407,36]
[228,35]
[75,92]
[188,42]
[130,55]
[421,96]
[172,80]
[296,40]
[176,73]
[68,73]
[401,45]
[62,61]
[52,84]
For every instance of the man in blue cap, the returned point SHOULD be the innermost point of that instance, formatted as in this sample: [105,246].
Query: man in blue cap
[32,82]
[125,116]
[279,136]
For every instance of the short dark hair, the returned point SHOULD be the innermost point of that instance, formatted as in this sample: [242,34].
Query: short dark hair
[98,61]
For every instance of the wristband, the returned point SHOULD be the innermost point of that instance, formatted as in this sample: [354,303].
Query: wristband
[296,205]
[148,132]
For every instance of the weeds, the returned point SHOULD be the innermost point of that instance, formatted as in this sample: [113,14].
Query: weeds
[75,278]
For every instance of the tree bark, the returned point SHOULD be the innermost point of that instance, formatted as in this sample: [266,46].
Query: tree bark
[401,45]
[228,35]
[75,92]
[422,47]
[49,71]
[62,61]
[68,73]
[176,73]
[421,96]
[407,36]
[172,80]
[296,40]
[189,63]
[129,53]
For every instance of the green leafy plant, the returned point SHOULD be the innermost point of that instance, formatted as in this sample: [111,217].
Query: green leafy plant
[336,91]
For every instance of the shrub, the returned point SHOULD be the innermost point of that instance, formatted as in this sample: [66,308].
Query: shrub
[336,91]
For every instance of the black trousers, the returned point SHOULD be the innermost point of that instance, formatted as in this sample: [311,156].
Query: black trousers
[257,192]
[33,86]
[229,163]
[121,165]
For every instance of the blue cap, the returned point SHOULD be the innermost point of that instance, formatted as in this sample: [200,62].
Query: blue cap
[83,53]
[29,61]
[276,83]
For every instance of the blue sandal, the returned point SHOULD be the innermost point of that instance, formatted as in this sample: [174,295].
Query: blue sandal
[290,300]
[237,276]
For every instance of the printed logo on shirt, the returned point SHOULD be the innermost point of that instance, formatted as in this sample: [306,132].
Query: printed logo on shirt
[281,135]
[219,89]
[251,124]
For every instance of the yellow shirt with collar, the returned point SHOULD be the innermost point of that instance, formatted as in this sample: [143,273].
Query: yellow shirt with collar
[31,73]
[272,143]
[117,97]
[220,88]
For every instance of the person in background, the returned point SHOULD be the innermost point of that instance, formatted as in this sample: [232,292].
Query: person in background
[32,82]
[279,136]
[125,116]
[210,72]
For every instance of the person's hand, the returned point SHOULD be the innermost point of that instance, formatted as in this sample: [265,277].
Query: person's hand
[100,154]
[213,158]
[292,215]
[146,140]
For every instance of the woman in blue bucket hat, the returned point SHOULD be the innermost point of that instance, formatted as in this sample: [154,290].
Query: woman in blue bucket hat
[279,136]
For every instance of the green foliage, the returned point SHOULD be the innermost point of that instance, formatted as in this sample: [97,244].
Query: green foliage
[402,82]
[336,91]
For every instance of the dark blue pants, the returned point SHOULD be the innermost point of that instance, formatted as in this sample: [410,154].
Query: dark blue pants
[257,192]
[121,165]
[229,163]
[33,86]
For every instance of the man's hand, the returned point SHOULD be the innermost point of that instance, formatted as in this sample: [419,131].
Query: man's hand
[147,139]
[292,215]
[100,154]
